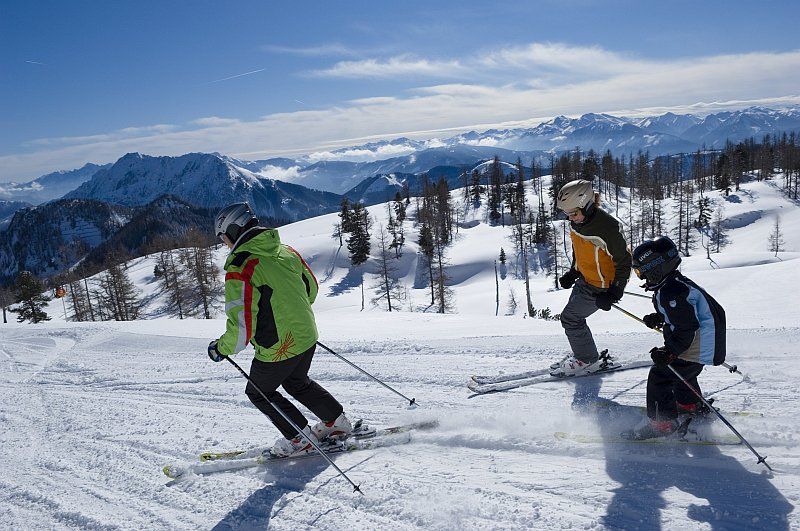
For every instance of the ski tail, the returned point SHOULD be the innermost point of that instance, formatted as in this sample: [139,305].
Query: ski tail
[482,389]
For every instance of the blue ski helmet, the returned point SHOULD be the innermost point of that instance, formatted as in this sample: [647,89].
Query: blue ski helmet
[654,260]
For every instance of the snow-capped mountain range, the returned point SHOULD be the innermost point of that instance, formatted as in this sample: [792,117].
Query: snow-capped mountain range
[294,189]
[205,180]
[343,169]
[50,186]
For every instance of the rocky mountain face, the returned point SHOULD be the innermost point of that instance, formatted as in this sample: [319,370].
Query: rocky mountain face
[204,180]
[48,187]
[53,237]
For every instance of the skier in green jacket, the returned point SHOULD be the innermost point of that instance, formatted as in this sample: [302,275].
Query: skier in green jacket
[269,290]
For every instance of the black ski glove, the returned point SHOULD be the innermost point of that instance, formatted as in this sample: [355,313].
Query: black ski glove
[568,279]
[613,294]
[653,320]
[661,356]
[213,352]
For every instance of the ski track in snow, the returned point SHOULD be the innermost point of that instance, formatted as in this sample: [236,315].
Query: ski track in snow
[92,413]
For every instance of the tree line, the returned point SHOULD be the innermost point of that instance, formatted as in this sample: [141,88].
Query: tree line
[187,280]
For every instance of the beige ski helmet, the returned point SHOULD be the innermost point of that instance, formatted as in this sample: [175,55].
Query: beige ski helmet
[575,195]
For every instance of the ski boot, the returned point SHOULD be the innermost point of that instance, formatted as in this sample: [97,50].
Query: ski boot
[572,366]
[298,445]
[698,412]
[339,429]
[556,364]
[652,429]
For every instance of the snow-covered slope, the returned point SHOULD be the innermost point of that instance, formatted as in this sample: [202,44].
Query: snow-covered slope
[92,411]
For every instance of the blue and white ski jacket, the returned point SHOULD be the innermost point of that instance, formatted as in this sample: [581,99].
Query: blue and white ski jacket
[694,323]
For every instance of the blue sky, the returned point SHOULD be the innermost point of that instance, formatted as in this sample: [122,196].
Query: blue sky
[89,81]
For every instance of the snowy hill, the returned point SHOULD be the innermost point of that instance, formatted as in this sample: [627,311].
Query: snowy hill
[94,410]
[748,214]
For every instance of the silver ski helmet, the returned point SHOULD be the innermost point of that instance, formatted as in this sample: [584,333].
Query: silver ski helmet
[654,260]
[575,195]
[233,219]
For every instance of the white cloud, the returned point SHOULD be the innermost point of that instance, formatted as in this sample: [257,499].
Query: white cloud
[489,142]
[624,86]
[362,155]
[215,121]
[559,57]
[127,132]
[332,49]
[400,66]
[544,62]
[280,174]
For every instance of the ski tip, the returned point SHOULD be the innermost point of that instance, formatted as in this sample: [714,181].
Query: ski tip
[172,471]
[206,456]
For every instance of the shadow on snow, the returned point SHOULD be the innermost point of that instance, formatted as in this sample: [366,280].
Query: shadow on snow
[737,497]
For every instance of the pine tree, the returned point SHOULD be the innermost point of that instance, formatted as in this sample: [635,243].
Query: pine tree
[174,283]
[703,212]
[387,289]
[338,233]
[425,243]
[495,189]
[718,235]
[358,244]
[201,272]
[119,297]
[77,299]
[512,302]
[477,189]
[399,208]
[776,237]
[29,293]
[6,300]
[436,218]
[345,216]
[502,256]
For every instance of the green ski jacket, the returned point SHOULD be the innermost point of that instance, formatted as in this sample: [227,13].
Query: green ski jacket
[269,290]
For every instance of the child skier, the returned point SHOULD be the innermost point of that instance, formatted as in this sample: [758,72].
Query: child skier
[598,276]
[269,290]
[694,335]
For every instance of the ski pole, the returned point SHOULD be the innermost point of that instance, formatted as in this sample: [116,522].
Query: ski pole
[699,395]
[636,294]
[411,401]
[295,426]
[731,368]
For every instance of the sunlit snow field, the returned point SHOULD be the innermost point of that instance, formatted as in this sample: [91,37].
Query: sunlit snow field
[90,412]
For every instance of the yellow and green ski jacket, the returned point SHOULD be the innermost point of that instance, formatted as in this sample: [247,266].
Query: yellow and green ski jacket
[269,290]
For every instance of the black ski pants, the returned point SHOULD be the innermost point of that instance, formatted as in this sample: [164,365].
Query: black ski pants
[664,389]
[292,374]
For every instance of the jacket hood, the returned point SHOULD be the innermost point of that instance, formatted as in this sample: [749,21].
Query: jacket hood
[258,240]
